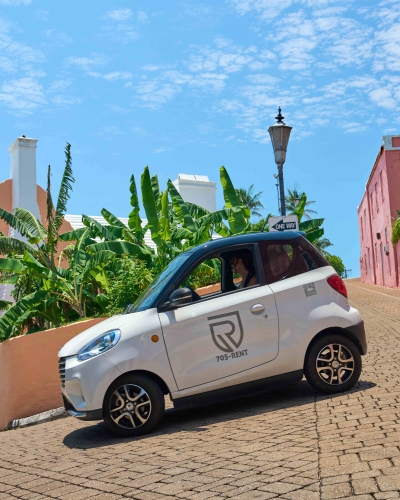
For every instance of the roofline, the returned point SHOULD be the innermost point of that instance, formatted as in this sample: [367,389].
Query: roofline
[381,150]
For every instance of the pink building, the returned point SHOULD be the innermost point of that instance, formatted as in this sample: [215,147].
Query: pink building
[380,260]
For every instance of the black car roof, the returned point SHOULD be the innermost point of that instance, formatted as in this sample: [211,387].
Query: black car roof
[247,238]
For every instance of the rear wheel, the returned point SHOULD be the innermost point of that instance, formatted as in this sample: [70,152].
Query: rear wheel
[333,364]
[133,405]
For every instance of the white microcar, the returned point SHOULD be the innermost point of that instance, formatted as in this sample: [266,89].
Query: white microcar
[275,310]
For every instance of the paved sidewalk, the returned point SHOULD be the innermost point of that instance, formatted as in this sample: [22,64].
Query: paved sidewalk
[288,444]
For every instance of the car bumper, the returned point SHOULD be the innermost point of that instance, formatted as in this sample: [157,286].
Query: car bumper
[358,333]
[85,383]
[82,415]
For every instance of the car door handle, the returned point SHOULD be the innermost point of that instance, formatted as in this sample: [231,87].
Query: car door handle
[257,308]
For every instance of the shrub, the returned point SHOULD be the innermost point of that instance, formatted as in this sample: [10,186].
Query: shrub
[127,284]
[337,264]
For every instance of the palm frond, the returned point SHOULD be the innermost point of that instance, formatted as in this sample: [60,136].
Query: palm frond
[65,189]
[33,224]
[14,222]
[9,245]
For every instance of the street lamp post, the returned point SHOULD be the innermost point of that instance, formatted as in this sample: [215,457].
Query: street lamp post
[279,134]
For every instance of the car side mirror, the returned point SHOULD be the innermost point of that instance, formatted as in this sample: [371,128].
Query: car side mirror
[179,297]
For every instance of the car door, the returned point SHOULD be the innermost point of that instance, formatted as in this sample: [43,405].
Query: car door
[221,334]
[297,274]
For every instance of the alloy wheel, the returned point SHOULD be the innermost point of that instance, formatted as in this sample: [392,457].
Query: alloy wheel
[130,406]
[335,364]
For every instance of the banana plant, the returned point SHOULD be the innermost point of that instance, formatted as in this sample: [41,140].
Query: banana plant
[312,227]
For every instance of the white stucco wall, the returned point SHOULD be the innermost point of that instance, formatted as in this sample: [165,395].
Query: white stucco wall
[197,189]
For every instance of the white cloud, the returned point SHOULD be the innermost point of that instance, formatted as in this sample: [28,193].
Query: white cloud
[22,96]
[142,16]
[57,38]
[266,9]
[15,2]
[88,63]
[117,75]
[155,92]
[383,97]
[119,14]
[353,127]
[225,57]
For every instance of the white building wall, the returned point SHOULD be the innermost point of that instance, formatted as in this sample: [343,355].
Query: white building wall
[23,174]
[197,189]
[24,192]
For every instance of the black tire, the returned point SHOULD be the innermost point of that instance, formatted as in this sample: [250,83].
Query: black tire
[141,403]
[328,377]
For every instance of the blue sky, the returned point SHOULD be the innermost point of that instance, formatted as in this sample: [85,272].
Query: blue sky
[187,86]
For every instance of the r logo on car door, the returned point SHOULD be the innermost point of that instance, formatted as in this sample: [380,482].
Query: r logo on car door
[227,334]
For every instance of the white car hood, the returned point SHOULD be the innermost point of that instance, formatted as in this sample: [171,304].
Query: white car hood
[73,346]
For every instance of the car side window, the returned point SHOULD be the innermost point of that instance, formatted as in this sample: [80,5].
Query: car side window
[285,259]
[278,259]
[205,279]
[308,258]
[230,271]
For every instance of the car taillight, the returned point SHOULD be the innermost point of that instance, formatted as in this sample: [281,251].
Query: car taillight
[337,284]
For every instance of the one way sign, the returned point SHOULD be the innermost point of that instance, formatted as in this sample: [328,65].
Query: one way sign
[287,223]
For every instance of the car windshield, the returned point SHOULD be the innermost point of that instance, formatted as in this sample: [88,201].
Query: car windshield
[155,288]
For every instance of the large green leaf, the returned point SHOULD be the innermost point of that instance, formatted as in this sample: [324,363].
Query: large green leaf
[181,209]
[11,317]
[150,207]
[237,221]
[102,300]
[112,220]
[165,231]
[65,189]
[196,211]
[12,245]
[4,304]
[101,230]
[314,235]
[155,186]
[11,266]
[307,225]
[80,255]
[13,221]
[134,220]
[33,224]
[121,248]
[72,235]
[301,206]
[99,258]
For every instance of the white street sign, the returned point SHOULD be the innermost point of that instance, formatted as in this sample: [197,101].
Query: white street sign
[287,223]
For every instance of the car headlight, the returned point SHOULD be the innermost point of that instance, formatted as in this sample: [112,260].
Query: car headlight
[100,344]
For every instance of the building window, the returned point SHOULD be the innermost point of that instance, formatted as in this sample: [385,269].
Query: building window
[372,205]
[365,220]
[376,255]
[376,196]
[386,235]
[381,182]
[362,230]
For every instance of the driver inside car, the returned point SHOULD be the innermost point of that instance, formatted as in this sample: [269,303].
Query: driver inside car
[242,263]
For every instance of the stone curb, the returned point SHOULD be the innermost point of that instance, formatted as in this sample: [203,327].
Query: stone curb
[40,418]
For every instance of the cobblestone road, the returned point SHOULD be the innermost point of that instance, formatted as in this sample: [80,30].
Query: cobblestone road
[288,444]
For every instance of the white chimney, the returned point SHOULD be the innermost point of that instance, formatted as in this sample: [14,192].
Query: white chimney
[197,189]
[23,174]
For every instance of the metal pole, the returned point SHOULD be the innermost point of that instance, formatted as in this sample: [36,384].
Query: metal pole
[277,194]
[282,190]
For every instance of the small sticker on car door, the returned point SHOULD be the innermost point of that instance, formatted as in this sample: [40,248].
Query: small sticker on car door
[310,289]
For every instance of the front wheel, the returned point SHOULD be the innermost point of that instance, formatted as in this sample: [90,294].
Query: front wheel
[133,405]
[333,364]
